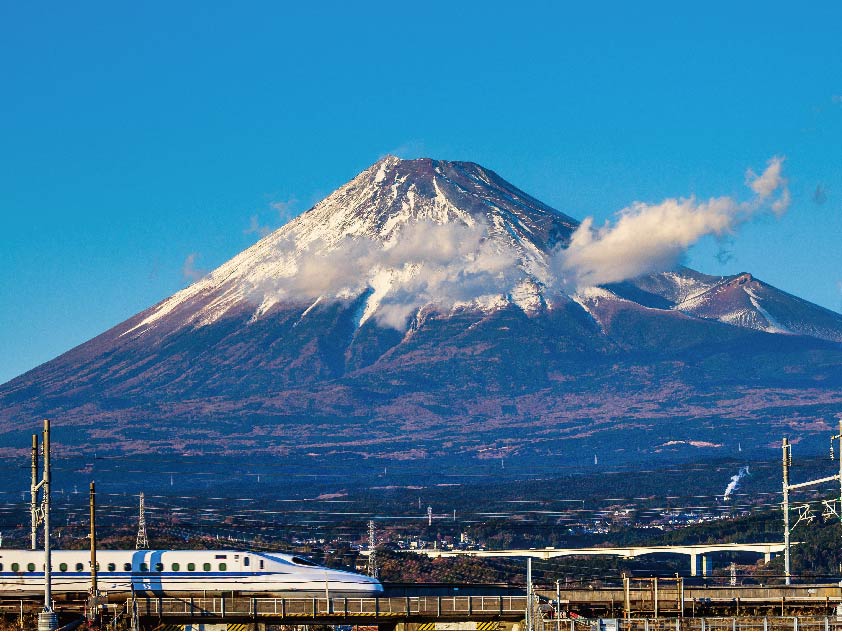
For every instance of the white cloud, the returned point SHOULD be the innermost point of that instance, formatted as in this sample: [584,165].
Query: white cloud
[286,209]
[409,149]
[443,264]
[780,205]
[255,228]
[190,270]
[769,181]
[652,237]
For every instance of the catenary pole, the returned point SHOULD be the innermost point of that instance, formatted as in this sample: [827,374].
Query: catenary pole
[785,463]
[47,619]
[529,593]
[93,540]
[33,505]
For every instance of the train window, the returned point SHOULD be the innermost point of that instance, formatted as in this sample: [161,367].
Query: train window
[223,566]
[176,566]
[62,567]
[191,566]
[80,567]
[127,566]
[1,567]
[15,567]
[206,566]
[30,567]
[144,567]
[303,561]
[112,567]
[159,567]
[245,561]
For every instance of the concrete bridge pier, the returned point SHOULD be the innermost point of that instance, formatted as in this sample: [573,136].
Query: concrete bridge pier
[703,560]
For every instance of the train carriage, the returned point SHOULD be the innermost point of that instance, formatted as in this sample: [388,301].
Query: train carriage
[171,572]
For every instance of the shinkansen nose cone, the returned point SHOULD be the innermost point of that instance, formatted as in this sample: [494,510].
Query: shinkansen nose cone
[347,582]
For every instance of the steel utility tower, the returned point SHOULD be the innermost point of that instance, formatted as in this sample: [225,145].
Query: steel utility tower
[142,540]
[372,554]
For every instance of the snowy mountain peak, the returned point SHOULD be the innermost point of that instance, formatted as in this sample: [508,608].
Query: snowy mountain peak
[408,233]
[393,192]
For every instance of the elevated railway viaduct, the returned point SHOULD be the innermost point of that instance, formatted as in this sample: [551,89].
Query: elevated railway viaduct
[700,555]
[637,607]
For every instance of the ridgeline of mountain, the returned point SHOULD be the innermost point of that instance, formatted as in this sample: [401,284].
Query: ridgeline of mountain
[416,313]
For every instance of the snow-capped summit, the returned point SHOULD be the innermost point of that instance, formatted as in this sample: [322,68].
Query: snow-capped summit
[394,192]
[450,233]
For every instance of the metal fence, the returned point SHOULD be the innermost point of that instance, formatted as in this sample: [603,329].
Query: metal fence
[701,624]
[385,607]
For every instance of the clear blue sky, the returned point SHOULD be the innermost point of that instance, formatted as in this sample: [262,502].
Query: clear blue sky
[135,134]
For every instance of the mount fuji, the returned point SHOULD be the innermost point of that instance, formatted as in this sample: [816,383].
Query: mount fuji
[419,312]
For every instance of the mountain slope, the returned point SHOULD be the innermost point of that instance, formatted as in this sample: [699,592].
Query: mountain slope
[416,312]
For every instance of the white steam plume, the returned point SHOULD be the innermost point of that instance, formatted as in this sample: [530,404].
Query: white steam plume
[652,237]
[735,482]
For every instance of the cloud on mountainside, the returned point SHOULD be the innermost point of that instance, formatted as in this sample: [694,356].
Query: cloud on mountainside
[451,264]
[649,238]
[429,263]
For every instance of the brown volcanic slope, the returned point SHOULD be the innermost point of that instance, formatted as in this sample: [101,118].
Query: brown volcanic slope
[633,370]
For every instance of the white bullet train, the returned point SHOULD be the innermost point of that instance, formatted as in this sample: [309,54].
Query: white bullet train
[168,572]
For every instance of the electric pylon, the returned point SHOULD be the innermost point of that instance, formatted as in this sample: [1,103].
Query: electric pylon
[142,540]
[372,555]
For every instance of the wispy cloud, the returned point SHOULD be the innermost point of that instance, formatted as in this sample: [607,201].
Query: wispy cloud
[820,195]
[255,228]
[768,182]
[286,209]
[190,270]
[409,149]
[725,251]
[647,238]
[264,222]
